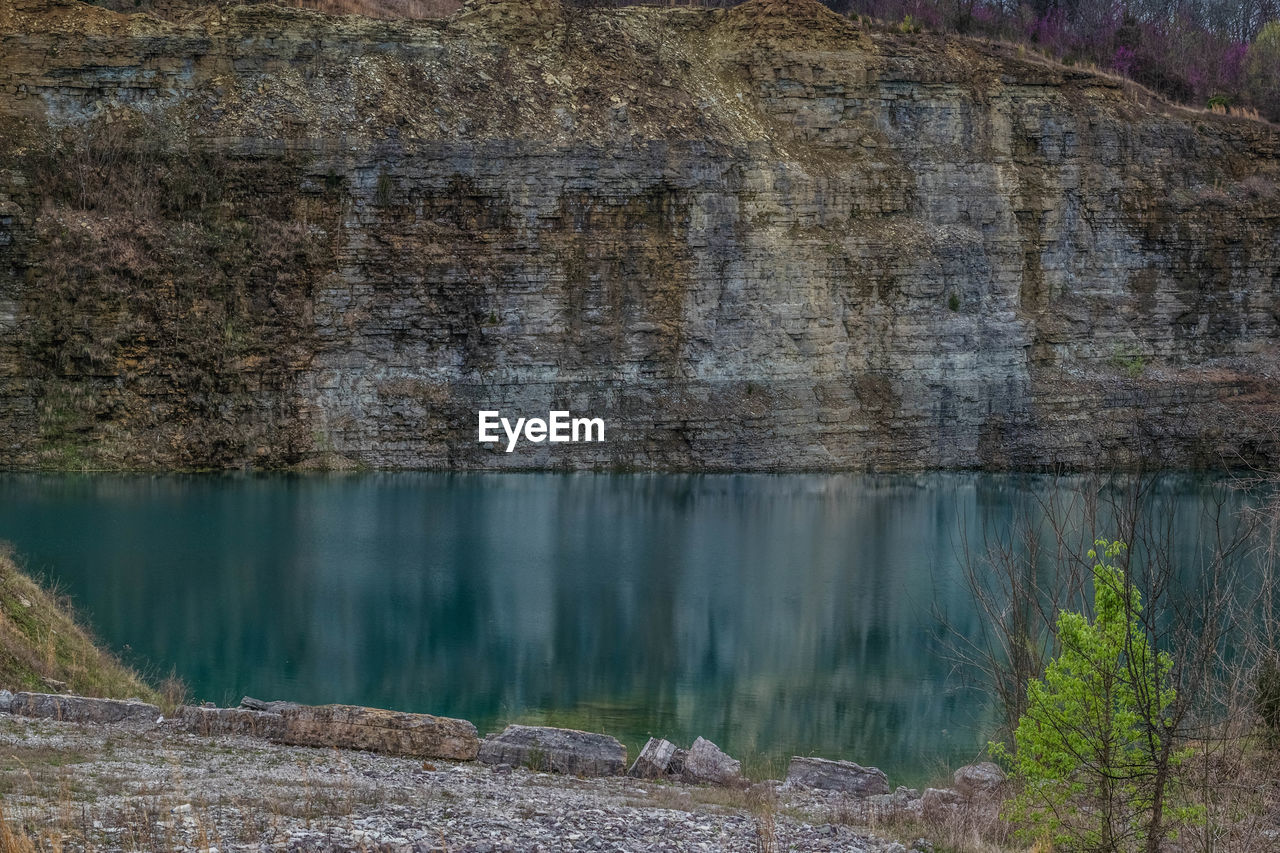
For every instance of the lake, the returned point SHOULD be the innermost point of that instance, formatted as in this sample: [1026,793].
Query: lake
[774,615]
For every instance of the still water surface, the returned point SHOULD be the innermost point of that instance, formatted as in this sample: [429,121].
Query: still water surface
[775,615]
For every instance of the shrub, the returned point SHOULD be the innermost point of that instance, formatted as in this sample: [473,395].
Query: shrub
[1085,756]
[1129,359]
[1267,698]
[1262,71]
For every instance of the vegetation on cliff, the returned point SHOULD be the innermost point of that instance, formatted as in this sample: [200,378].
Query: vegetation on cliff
[1216,54]
[770,238]
[1223,54]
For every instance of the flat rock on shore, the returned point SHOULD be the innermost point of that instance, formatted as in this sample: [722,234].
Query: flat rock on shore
[388,732]
[82,709]
[843,776]
[566,751]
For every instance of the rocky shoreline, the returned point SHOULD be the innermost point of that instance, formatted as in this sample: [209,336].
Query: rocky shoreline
[111,774]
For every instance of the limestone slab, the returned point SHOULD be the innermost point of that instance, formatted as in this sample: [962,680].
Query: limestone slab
[566,751]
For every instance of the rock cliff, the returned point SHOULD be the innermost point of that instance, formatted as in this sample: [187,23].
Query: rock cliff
[761,238]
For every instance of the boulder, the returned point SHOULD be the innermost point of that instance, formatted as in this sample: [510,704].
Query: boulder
[377,730]
[705,762]
[902,803]
[231,721]
[6,701]
[557,750]
[938,804]
[655,760]
[900,800]
[251,704]
[844,776]
[82,709]
[976,779]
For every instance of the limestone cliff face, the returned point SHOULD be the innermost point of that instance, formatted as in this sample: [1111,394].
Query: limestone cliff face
[762,238]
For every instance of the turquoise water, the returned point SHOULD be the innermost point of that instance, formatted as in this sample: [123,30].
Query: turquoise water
[775,615]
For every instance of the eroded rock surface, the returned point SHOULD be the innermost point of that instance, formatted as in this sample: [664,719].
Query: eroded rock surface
[761,238]
[655,759]
[978,779]
[938,803]
[706,762]
[567,751]
[232,721]
[828,775]
[83,709]
[378,730]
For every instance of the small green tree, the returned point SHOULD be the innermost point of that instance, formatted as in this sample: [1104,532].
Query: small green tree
[1084,749]
[1262,71]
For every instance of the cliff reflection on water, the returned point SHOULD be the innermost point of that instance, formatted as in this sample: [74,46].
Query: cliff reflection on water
[772,614]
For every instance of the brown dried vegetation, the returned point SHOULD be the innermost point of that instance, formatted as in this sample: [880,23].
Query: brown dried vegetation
[44,648]
[166,269]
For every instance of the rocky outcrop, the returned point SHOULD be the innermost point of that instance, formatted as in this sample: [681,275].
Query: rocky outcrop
[939,804]
[566,751]
[655,760]
[759,238]
[703,763]
[844,776]
[231,721]
[979,779]
[378,730]
[706,763]
[83,709]
[340,726]
[273,707]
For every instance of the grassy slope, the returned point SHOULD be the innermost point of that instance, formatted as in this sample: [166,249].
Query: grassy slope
[43,646]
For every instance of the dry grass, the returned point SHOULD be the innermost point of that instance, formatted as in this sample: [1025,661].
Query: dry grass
[1235,112]
[762,802]
[43,647]
[174,693]
[391,9]
[427,9]
[1133,91]
[13,840]
[1235,783]
[61,797]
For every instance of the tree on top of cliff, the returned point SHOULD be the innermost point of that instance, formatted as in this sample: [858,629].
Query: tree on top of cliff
[1220,54]
[1262,74]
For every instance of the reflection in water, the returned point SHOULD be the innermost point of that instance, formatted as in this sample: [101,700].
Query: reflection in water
[772,614]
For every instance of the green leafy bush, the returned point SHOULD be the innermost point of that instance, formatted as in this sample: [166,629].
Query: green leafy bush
[1086,758]
[1129,359]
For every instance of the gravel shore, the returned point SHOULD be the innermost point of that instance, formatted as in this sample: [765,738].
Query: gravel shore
[124,787]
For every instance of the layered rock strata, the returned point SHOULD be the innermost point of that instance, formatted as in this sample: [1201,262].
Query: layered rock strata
[377,730]
[555,750]
[843,776]
[761,238]
[82,709]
